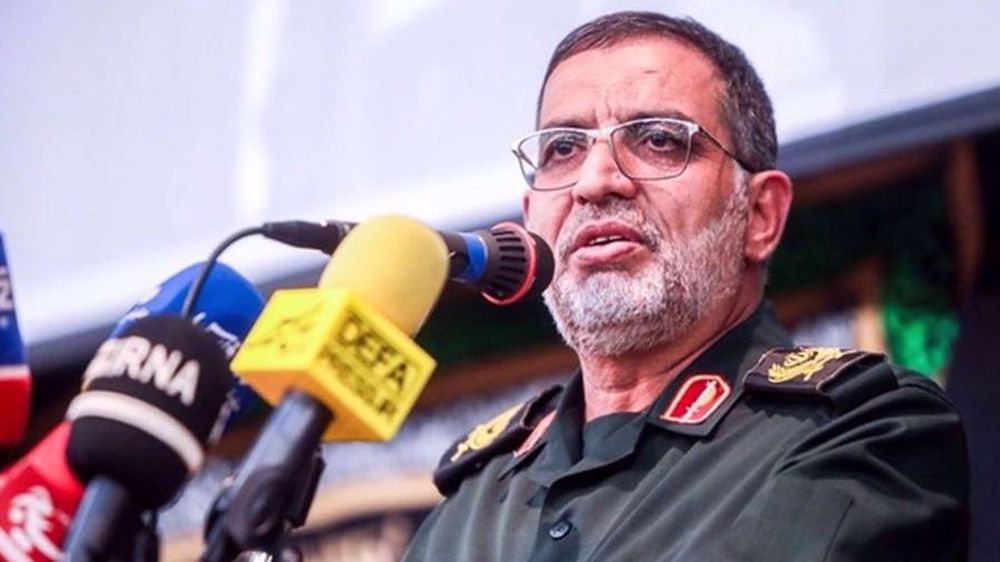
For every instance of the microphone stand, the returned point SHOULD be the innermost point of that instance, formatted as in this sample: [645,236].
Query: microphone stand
[240,522]
[147,541]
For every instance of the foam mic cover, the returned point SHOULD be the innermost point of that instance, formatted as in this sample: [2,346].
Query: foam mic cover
[347,343]
[38,497]
[393,263]
[15,376]
[151,399]
[227,308]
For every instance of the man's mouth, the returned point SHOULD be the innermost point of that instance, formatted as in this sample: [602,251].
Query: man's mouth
[602,240]
[604,243]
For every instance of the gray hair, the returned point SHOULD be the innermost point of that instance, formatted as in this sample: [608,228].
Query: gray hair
[746,107]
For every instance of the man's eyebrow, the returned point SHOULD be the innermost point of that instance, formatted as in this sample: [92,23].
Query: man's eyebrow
[575,123]
[571,123]
[658,113]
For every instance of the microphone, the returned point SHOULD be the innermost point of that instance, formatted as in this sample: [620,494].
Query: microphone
[339,363]
[151,398]
[15,376]
[505,263]
[227,308]
[41,492]
[38,497]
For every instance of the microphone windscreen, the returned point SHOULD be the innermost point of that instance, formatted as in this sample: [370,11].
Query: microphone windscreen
[348,343]
[394,263]
[228,306]
[545,266]
[39,496]
[151,399]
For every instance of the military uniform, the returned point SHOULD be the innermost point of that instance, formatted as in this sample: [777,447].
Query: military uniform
[757,451]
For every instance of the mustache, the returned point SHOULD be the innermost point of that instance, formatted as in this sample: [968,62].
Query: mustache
[623,210]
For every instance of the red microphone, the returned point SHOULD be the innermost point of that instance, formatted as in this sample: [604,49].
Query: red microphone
[15,403]
[38,497]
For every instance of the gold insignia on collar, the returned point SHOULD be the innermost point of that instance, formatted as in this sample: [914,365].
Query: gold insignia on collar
[485,433]
[803,363]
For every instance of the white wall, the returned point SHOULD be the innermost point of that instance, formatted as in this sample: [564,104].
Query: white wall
[135,135]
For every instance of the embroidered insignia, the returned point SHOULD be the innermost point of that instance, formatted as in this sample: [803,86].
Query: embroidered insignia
[810,372]
[485,433]
[697,399]
[805,362]
[502,434]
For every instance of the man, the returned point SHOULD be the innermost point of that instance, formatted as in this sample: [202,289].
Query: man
[693,430]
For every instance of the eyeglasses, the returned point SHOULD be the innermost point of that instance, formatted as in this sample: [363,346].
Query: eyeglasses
[655,148]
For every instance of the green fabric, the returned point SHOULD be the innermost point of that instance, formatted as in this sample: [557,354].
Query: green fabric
[904,227]
[920,325]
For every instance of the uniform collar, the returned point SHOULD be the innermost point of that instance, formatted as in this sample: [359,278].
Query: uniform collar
[562,439]
[723,365]
[554,453]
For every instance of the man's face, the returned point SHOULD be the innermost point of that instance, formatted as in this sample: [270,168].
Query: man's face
[638,262]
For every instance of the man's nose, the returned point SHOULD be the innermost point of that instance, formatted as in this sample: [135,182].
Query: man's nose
[600,176]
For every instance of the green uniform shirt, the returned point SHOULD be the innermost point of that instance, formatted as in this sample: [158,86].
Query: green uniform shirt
[797,454]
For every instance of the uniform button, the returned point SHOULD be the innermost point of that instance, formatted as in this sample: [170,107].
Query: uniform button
[560,529]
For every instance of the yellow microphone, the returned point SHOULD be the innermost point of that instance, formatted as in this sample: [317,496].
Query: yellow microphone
[347,343]
[339,363]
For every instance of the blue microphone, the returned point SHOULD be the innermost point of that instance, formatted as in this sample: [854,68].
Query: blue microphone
[15,376]
[227,308]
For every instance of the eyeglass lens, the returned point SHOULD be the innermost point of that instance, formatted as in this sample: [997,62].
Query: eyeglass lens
[647,149]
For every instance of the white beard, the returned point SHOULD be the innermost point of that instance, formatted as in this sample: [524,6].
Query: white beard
[612,312]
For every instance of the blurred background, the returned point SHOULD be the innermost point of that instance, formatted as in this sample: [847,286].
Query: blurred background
[134,136]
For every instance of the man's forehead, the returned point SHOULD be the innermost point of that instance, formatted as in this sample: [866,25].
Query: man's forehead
[637,78]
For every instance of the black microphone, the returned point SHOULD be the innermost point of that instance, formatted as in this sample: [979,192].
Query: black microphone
[151,399]
[504,263]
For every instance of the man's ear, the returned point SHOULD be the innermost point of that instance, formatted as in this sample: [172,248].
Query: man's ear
[770,198]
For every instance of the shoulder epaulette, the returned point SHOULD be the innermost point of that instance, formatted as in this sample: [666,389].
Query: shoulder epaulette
[843,377]
[502,434]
